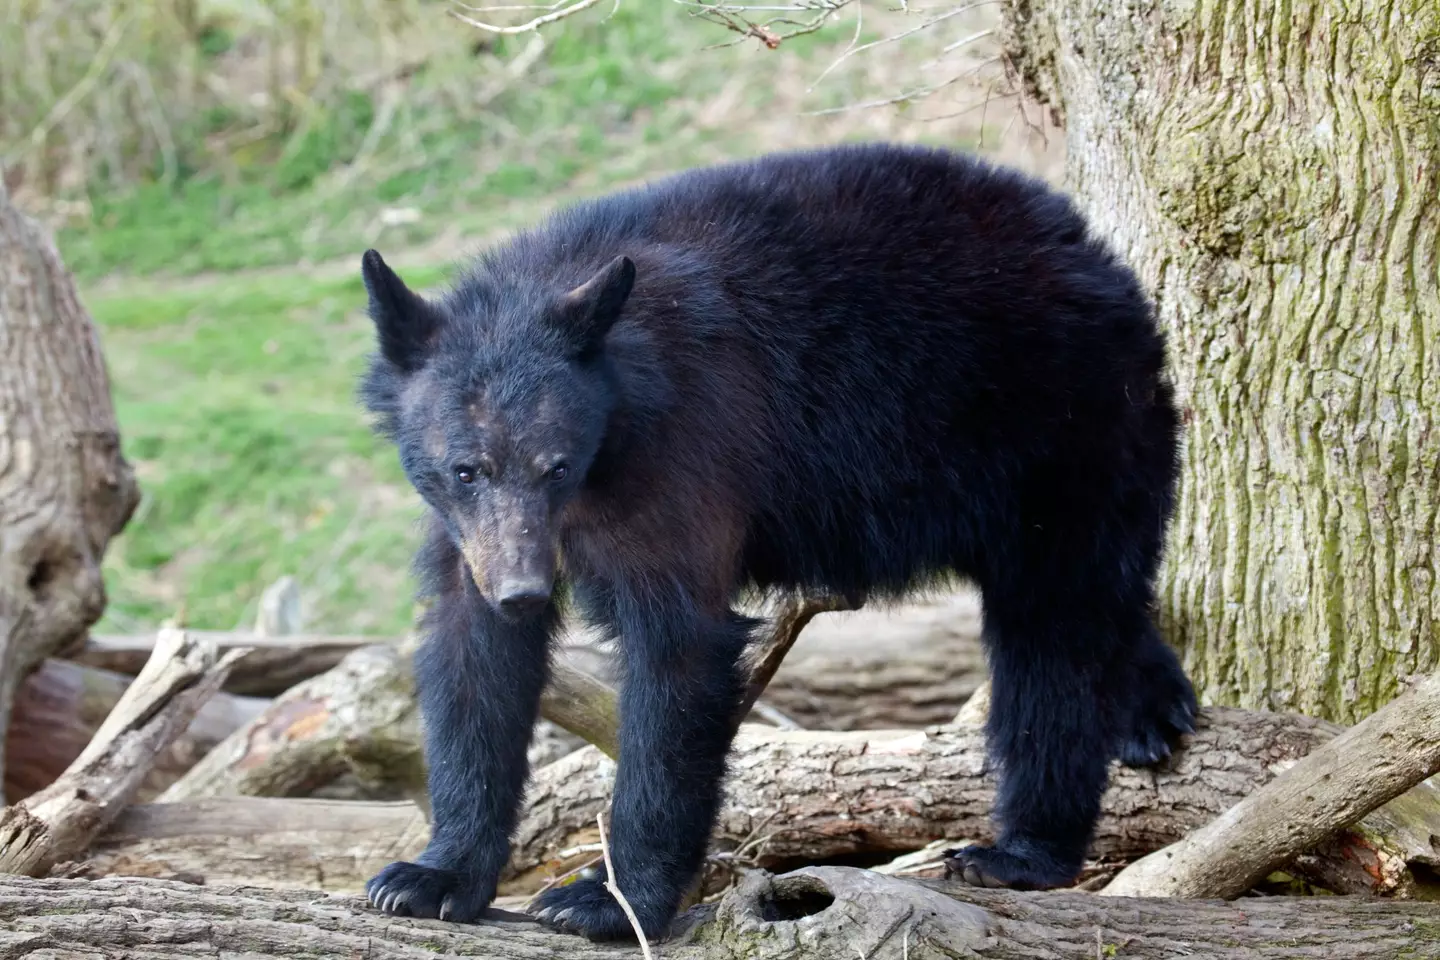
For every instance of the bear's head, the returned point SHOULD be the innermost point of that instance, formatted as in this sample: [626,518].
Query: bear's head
[498,398]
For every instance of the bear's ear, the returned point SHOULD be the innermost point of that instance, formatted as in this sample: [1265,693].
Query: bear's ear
[405,323]
[587,312]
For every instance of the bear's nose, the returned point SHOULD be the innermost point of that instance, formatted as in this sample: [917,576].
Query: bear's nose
[523,597]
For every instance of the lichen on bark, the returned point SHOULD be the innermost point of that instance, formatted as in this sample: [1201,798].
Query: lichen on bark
[1273,172]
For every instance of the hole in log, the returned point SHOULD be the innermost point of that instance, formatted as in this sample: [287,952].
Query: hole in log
[40,579]
[794,899]
[1426,876]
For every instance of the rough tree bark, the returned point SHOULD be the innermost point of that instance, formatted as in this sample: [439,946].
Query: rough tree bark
[819,913]
[65,488]
[1272,171]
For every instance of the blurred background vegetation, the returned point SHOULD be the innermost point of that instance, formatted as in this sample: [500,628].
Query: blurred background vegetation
[213,169]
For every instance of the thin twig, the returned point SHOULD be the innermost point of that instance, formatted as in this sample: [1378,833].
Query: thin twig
[613,885]
[774,716]
[98,65]
[919,93]
[786,629]
[852,50]
[577,7]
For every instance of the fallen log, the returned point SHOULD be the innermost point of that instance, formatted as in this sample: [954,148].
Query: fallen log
[59,822]
[270,666]
[818,913]
[359,717]
[910,666]
[351,733]
[875,669]
[1381,757]
[814,796]
[60,706]
[263,841]
[878,669]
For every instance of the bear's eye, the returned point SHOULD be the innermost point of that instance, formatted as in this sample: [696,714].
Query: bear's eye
[465,474]
[559,471]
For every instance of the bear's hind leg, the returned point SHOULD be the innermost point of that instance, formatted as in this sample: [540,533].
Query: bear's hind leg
[1056,709]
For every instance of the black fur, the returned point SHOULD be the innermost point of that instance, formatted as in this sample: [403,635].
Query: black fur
[853,370]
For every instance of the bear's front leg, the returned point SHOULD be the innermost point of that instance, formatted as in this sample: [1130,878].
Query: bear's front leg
[479,679]
[682,686]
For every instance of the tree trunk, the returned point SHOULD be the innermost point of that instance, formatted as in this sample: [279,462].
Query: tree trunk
[65,488]
[1272,173]
[819,913]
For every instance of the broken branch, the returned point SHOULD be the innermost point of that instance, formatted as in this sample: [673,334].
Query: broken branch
[1338,783]
[59,822]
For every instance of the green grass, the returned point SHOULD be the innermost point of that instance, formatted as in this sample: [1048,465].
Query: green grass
[608,101]
[237,404]
[230,305]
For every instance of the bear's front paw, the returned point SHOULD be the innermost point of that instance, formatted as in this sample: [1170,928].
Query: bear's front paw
[586,907]
[412,890]
[998,867]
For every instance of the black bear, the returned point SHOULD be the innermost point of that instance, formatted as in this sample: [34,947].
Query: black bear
[853,370]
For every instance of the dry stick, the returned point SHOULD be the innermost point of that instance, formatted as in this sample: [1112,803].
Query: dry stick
[614,887]
[59,822]
[589,708]
[785,627]
[1383,756]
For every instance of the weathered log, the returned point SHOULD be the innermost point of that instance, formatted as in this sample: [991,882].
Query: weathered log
[817,795]
[818,913]
[875,669]
[65,487]
[61,705]
[1383,756]
[360,716]
[273,664]
[60,822]
[263,841]
[351,733]
[812,796]
[583,705]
